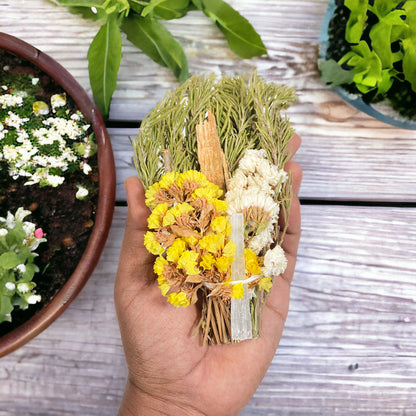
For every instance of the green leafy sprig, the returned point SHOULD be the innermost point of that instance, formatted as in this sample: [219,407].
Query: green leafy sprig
[381,53]
[248,112]
[140,21]
[18,241]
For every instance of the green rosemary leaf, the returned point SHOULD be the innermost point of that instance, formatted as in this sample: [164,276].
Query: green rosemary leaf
[104,56]
[248,116]
[240,34]
[155,40]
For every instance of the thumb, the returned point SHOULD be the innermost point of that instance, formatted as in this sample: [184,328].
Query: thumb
[134,260]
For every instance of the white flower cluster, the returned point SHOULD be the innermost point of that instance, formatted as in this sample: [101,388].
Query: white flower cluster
[18,241]
[42,155]
[253,191]
[8,223]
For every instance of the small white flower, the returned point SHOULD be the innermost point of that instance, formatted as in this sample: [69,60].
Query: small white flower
[86,168]
[23,287]
[82,192]
[58,100]
[55,180]
[275,262]
[3,232]
[10,286]
[35,81]
[32,299]
[21,268]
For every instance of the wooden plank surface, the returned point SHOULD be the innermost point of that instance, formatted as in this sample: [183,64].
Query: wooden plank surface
[346,155]
[353,304]
[348,347]
[334,168]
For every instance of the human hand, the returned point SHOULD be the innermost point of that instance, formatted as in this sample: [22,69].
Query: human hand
[169,371]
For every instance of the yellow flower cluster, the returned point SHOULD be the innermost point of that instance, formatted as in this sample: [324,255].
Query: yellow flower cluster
[190,234]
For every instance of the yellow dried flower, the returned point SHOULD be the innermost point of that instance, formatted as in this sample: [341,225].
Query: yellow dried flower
[155,218]
[219,205]
[152,245]
[163,285]
[229,249]
[266,284]
[237,291]
[212,243]
[192,176]
[221,225]
[209,192]
[178,299]
[151,195]
[159,265]
[168,179]
[223,263]
[173,213]
[207,261]
[174,252]
[188,262]
[252,265]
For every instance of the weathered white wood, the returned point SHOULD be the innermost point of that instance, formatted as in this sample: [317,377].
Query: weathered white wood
[377,164]
[346,155]
[353,302]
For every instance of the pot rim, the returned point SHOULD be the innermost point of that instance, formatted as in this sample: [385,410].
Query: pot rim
[105,208]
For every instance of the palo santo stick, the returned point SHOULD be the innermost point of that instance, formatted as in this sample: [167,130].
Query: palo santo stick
[211,157]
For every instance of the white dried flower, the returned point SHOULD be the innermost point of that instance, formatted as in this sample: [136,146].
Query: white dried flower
[275,262]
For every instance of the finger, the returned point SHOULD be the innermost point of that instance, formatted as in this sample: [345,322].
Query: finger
[137,210]
[293,145]
[135,260]
[296,172]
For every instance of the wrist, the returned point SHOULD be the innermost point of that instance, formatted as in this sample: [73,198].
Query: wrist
[136,402]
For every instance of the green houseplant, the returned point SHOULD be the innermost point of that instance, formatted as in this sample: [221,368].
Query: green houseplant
[368,52]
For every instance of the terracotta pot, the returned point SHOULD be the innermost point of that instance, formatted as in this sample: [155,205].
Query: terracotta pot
[105,208]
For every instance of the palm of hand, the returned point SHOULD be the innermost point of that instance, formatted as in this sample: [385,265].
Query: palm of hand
[168,367]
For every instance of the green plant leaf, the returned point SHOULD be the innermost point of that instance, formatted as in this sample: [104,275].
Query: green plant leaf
[197,4]
[384,7]
[333,74]
[9,260]
[381,35]
[104,56]
[409,45]
[167,9]
[357,19]
[240,34]
[156,41]
[6,308]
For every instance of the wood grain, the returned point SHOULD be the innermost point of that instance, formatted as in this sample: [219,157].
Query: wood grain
[346,155]
[353,304]
[348,347]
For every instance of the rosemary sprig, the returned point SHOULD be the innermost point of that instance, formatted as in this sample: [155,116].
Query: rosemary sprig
[248,114]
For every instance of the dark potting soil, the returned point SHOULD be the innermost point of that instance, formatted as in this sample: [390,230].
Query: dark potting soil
[67,221]
[400,95]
